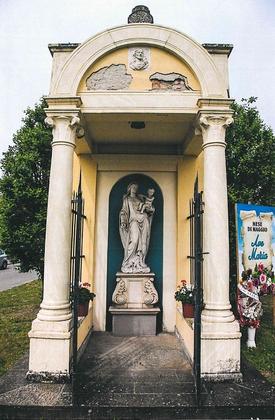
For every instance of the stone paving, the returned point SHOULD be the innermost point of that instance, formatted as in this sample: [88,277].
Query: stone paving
[15,390]
[134,378]
[131,371]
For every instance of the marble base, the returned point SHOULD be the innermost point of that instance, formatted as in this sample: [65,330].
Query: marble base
[134,321]
[220,350]
[135,291]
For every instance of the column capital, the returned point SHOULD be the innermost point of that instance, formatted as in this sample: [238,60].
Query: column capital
[212,126]
[64,125]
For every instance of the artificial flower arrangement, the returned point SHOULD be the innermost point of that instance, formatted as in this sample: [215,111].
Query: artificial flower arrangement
[254,284]
[185,292]
[261,278]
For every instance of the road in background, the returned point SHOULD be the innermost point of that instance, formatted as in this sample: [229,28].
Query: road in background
[11,277]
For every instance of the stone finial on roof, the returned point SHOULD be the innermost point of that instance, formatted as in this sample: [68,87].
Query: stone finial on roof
[140,14]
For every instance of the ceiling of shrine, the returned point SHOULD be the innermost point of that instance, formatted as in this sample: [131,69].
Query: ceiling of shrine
[137,133]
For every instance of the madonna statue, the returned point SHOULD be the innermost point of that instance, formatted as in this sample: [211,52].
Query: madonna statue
[135,220]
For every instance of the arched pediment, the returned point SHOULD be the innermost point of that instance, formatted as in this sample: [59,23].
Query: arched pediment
[182,47]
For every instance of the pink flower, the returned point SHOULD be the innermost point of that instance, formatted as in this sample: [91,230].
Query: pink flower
[262,278]
[260,267]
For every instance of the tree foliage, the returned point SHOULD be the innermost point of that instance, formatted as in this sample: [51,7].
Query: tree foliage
[24,189]
[250,157]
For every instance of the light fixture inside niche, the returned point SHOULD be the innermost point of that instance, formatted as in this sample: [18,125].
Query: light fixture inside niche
[137,125]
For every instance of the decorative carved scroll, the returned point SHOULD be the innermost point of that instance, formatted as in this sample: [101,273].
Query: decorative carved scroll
[120,294]
[150,296]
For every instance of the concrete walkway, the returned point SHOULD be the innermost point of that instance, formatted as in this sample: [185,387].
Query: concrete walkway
[134,378]
[11,277]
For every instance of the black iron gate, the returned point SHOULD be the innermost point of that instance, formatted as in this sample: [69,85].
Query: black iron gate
[196,262]
[76,271]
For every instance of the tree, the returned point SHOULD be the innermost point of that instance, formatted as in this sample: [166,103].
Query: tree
[24,191]
[250,157]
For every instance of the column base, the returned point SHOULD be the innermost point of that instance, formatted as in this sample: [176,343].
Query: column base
[222,377]
[220,351]
[48,377]
[50,351]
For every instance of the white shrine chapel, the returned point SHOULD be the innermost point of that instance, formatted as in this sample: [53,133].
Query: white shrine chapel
[140,111]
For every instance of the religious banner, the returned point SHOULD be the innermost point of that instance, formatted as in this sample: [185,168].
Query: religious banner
[255,236]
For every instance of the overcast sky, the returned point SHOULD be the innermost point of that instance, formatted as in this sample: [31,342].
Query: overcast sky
[28,26]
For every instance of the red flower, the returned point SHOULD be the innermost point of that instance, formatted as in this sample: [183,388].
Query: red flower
[264,288]
[260,267]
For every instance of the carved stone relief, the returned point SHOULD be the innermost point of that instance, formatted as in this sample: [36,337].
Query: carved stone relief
[120,293]
[140,14]
[139,58]
[169,81]
[135,290]
[150,296]
[113,77]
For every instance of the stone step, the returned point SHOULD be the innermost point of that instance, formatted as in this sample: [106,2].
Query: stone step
[135,413]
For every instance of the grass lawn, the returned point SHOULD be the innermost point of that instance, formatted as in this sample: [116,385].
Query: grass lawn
[18,307]
[263,357]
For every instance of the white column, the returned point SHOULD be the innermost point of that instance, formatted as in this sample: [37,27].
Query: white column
[51,331]
[220,331]
[216,240]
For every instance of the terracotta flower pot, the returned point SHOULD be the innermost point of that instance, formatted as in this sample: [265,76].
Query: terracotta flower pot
[188,310]
[82,309]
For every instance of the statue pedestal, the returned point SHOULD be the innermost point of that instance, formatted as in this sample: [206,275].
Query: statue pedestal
[133,311]
[134,322]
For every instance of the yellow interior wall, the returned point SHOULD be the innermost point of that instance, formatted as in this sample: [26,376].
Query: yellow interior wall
[186,177]
[88,167]
[161,61]
[188,168]
[185,331]
[84,328]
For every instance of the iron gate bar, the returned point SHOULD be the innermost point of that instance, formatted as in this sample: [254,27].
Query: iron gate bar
[196,262]
[198,295]
[76,271]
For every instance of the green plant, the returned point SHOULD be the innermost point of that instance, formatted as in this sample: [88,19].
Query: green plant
[24,183]
[84,294]
[18,307]
[185,292]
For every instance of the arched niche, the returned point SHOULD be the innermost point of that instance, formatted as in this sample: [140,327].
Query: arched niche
[115,249]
